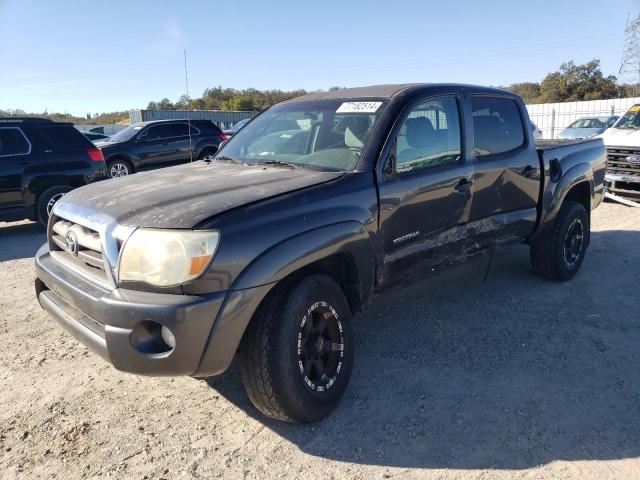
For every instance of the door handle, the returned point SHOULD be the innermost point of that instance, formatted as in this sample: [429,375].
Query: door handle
[528,171]
[463,185]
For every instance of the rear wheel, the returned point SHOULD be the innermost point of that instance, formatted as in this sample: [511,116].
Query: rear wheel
[297,354]
[47,200]
[559,254]
[119,168]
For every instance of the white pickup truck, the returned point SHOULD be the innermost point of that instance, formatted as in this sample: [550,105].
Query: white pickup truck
[623,153]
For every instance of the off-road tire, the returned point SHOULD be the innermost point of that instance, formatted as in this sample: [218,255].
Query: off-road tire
[46,200]
[548,254]
[270,351]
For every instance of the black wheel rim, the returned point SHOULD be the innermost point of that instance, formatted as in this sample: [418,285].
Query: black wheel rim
[321,347]
[573,243]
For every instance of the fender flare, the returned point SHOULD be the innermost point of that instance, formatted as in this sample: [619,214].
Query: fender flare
[555,197]
[294,253]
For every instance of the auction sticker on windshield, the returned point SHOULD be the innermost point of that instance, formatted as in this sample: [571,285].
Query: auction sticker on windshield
[359,107]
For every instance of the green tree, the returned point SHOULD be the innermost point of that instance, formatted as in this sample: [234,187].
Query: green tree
[573,83]
[529,91]
[165,104]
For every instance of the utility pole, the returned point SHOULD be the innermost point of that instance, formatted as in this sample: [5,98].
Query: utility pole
[629,73]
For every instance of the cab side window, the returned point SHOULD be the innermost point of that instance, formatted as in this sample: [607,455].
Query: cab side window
[429,136]
[12,142]
[497,125]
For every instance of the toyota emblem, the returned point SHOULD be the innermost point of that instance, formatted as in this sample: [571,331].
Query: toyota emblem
[71,241]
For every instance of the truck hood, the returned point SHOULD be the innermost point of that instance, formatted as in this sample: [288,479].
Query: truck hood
[183,196]
[621,137]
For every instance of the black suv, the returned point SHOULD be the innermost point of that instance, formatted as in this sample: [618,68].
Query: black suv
[40,161]
[149,145]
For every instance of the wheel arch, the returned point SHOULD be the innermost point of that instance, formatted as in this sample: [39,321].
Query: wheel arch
[576,184]
[121,157]
[343,251]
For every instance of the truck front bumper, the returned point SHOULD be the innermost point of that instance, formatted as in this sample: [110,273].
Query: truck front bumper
[125,327]
[624,184]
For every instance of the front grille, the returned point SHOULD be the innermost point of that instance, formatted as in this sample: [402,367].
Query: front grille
[85,256]
[618,161]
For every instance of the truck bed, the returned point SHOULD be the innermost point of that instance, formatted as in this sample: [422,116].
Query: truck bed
[560,142]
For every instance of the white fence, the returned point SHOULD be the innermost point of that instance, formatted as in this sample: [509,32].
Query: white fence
[551,118]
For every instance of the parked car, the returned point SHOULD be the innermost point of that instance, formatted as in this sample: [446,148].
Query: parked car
[157,144]
[40,161]
[623,149]
[587,127]
[537,134]
[96,137]
[230,132]
[319,203]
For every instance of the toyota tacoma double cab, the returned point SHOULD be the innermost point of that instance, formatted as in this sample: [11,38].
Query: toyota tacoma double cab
[40,161]
[269,249]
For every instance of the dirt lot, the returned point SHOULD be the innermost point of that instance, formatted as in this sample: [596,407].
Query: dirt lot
[510,378]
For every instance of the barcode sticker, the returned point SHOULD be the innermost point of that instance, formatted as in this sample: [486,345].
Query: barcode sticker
[359,107]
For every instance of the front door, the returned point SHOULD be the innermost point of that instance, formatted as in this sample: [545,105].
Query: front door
[425,189]
[154,146]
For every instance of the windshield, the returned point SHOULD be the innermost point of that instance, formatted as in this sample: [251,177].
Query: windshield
[587,123]
[327,134]
[127,133]
[631,119]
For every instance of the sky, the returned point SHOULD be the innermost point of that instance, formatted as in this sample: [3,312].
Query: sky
[88,57]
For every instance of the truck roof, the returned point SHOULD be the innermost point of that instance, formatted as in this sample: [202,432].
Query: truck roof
[385,91]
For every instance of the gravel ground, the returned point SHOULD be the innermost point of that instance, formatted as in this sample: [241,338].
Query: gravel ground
[511,378]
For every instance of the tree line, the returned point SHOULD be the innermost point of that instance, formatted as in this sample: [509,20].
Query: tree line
[569,83]
[573,83]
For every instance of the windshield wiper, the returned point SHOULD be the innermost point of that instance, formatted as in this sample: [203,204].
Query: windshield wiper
[229,159]
[278,163]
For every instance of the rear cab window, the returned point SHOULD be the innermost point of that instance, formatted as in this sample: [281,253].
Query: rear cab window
[66,137]
[13,142]
[497,125]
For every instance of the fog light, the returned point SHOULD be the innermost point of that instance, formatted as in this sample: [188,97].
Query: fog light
[151,338]
[168,337]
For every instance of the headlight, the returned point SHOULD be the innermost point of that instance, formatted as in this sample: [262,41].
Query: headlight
[166,257]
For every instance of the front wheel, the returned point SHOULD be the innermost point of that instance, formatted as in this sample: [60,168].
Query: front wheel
[47,200]
[558,255]
[297,354]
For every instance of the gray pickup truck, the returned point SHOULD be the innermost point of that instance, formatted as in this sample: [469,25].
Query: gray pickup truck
[315,206]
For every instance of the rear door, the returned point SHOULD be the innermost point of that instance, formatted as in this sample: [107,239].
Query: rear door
[15,159]
[425,186]
[179,141]
[506,183]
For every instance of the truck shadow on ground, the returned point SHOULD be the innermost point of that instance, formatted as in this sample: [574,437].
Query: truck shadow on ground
[510,373]
[20,240]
